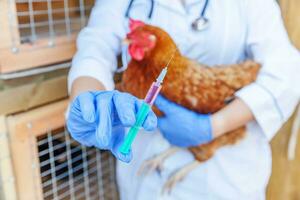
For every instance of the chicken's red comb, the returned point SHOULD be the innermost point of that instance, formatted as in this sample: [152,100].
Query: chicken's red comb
[133,24]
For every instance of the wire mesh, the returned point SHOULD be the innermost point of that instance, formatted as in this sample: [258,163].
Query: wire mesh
[48,19]
[71,171]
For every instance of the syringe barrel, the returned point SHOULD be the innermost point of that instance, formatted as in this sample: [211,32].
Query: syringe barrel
[133,131]
[152,93]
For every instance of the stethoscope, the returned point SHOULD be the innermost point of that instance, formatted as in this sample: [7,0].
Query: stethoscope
[199,24]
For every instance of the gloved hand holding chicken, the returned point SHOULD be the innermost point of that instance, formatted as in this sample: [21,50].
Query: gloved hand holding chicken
[182,127]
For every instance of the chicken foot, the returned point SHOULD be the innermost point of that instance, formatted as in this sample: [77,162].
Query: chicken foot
[156,163]
[178,176]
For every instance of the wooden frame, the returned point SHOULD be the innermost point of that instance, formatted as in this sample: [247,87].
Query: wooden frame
[23,129]
[15,56]
[7,184]
[290,13]
[30,95]
[7,30]
[285,179]
[37,55]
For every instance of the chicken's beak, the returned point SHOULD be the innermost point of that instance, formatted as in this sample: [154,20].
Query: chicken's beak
[126,41]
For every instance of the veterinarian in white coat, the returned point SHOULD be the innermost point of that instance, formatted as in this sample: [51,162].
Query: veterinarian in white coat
[237,30]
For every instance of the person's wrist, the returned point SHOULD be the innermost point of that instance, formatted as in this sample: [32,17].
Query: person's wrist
[217,125]
[83,84]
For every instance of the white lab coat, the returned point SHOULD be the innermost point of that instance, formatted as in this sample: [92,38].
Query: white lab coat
[238,30]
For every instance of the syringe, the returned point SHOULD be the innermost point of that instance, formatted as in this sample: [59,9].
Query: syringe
[143,112]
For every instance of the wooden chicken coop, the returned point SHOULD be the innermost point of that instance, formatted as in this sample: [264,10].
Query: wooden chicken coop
[39,160]
[35,33]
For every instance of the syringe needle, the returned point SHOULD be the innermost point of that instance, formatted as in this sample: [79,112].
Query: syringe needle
[171,58]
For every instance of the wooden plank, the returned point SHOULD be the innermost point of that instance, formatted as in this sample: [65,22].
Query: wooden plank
[32,57]
[8,25]
[6,170]
[23,130]
[5,39]
[31,95]
[26,167]
[285,179]
[290,11]
[47,117]
[283,6]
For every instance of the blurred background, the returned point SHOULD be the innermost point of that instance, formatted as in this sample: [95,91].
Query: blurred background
[38,159]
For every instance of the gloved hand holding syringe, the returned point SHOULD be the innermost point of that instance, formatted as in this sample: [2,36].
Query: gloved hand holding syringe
[143,111]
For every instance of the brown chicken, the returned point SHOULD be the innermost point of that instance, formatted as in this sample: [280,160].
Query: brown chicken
[188,83]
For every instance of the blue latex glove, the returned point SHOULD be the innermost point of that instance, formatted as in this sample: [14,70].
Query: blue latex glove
[98,119]
[182,127]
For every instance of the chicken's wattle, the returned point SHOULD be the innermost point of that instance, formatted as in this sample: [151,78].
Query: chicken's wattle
[136,52]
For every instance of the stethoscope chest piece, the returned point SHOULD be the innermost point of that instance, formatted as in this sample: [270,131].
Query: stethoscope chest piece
[200,23]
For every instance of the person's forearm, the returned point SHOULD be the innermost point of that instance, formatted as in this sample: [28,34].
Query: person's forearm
[83,84]
[231,117]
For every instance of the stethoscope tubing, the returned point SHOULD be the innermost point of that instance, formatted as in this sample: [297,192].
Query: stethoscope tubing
[204,8]
[130,5]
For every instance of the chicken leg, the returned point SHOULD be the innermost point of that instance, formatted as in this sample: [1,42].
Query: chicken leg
[178,176]
[156,163]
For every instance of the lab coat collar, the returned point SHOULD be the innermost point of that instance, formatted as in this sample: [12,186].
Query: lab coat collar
[176,5]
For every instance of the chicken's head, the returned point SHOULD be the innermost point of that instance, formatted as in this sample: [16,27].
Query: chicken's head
[140,40]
